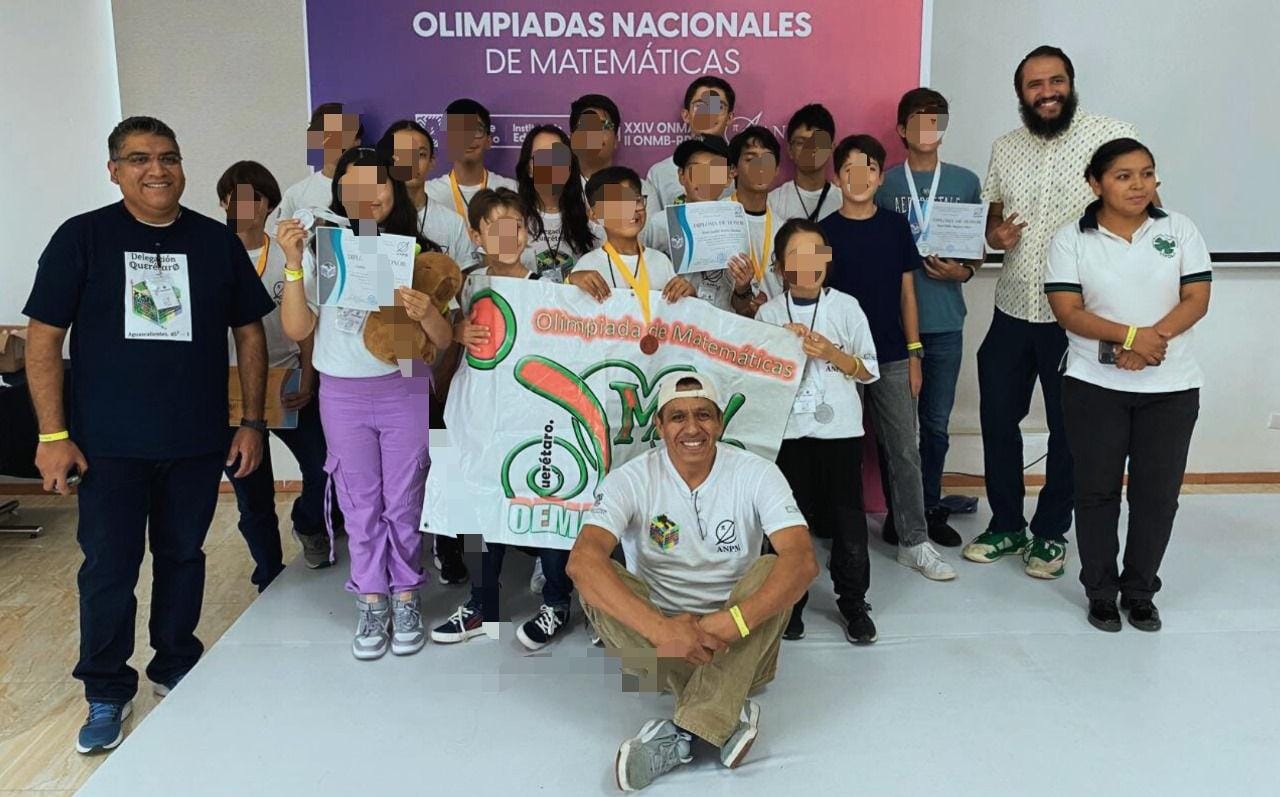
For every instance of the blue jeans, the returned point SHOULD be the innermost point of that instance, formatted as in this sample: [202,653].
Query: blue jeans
[943,353]
[256,495]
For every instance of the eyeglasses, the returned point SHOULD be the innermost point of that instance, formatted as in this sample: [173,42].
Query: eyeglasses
[140,160]
[697,513]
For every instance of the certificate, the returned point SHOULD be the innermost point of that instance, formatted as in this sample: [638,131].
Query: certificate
[956,230]
[705,235]
[361,272]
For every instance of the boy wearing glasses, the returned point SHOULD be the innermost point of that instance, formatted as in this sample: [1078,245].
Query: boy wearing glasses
[467,139]
[707,110]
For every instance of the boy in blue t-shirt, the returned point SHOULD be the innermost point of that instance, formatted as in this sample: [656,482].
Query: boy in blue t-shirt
[873,257]
[922,121]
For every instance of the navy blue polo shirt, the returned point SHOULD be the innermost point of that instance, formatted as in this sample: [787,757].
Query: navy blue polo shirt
[148,308]
[868,259]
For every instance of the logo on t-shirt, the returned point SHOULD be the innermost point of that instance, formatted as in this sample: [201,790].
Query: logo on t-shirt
[664,532]
[727,537]
[1165,245]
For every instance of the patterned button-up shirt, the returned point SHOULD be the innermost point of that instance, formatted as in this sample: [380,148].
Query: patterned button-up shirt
[1042,180]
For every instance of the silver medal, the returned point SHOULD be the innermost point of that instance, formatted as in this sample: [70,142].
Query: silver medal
[824,413]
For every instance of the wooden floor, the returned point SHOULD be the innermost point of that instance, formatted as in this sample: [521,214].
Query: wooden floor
[41,706]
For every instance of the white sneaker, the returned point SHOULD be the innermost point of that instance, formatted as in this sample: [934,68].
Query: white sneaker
[537,581]
[926,559]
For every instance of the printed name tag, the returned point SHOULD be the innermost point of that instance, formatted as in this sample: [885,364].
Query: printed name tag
[157,297]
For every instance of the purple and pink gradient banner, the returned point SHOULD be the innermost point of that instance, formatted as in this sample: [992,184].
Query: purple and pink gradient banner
[527,60]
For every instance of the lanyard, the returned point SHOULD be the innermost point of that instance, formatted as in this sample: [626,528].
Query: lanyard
[812,215]
[262,257]
[639,283]
[758,262]
[460,204]
[816,303]
[921,218]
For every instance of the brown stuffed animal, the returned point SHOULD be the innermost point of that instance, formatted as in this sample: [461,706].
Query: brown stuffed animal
[389,333]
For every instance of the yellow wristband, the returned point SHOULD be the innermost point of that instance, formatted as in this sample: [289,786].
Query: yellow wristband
[55,437]
[736,614]
[915,346]
[1128,339]
[293,274]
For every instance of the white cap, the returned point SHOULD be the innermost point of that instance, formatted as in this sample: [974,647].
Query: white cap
[706,388]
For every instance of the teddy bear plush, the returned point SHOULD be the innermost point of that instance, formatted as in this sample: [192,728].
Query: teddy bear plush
[389,333]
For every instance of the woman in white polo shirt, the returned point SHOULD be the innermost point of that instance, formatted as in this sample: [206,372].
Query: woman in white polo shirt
[1127,281]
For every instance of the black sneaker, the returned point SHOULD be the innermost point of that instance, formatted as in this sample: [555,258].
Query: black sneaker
[795,626]
[859,629]
[544,627]
[448,560]
[1103,614]
[1143,614]
[889,532]
[939,530]
[462,625]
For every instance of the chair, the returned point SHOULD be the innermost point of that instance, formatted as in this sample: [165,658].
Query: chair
[17,447]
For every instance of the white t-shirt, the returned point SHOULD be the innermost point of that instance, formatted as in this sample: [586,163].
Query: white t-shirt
[440,190]
[315,191]
[281,351]
[839,319]
[550,254]
[439,223]
[692,546]
[339,337]
[655,262]
[1134,283]
[789,201]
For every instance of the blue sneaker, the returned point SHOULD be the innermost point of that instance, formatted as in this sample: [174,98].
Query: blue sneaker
[104,729]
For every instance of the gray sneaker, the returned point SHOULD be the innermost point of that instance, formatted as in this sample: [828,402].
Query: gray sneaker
[315,549]
[735,749]
[657,749]
[406,621]
[372,635]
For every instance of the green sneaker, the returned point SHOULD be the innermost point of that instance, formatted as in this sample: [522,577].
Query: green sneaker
[1045,558]
[990,545]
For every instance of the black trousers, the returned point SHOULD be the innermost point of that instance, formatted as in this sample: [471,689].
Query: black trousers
[123,504]
[826,479]
[1153,432]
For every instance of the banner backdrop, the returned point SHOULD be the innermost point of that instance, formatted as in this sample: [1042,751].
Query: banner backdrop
[526,61]
[562,394]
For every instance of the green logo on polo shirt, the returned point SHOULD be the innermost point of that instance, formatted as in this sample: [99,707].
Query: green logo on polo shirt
[1164,245]
[664,532]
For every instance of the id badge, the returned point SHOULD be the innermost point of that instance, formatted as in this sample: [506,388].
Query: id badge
[806,401]
[163,293]
[350,322]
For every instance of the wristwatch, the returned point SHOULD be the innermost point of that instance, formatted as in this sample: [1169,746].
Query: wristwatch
[917,354]
[260,426]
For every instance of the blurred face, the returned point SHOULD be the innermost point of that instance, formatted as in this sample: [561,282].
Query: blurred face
[503,235]
[338,133]
[366,194]
[246,208]
[1128,186]
[466,137]
[412,157]
[595,139]
[704,177]
[805,261]
[690,427]
[810,148]
[148,169]
[621,210]
[550,165]
[924,131]
[756,168]
[859,177]
[708,112]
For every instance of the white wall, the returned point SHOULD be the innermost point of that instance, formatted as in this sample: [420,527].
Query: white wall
[60,99]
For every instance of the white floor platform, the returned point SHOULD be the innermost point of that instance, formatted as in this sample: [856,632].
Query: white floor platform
[993,684]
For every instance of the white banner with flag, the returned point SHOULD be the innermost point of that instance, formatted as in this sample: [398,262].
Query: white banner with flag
[562,393]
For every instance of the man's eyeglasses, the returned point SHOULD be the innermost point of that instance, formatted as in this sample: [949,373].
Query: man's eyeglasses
[140,160]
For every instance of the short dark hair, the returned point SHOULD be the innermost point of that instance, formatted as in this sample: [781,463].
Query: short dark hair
[692,146]
[1106,155]
[865,143]
[488,200]
[469,107]
[253,174]
[710,82]
[324,109]
[594,102]
[611,175]
[755,134]
[146,125]
[1043,51]
[387,143]
[793,226]
[920,100]
[814,115]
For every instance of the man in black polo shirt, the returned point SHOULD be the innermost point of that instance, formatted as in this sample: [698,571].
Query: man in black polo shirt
[149,289]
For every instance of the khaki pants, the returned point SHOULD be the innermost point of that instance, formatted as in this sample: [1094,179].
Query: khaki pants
[709,697]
